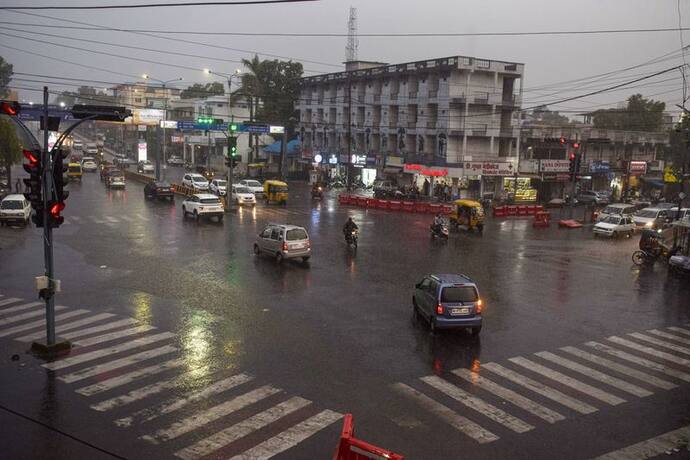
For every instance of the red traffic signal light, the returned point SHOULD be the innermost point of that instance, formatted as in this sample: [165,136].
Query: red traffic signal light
[562,140]
[572,156]
[55,208]
[10,108]
[32,157]
[576,145]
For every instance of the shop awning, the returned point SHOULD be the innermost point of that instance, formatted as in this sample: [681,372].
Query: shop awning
[392,170]
[656,183]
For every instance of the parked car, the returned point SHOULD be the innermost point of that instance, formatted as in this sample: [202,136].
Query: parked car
[195,181]
[218,187]
[15,208]
[175,161]
[203,205]
[158,190]
[617,209]
[115,179]
[88,164]
[589,196]
[652,218]
[243,195]
[145,167]
[615,226]
[254,185]
[283,241]
[383,188]
[449,302]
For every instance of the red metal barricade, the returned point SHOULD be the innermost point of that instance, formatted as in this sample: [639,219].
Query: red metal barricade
[542,219]
[394,205]
[343,199]
[447,209]
[434,208]
[511,210]
[522,210]
[499,211]
[371,202]
[538,208]
[351,448]
[531,209]
[421,206]
[408,206]
[362,201]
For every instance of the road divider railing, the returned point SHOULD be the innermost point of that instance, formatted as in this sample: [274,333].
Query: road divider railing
[137,177]
[419,207]
[517,210]
[182,190]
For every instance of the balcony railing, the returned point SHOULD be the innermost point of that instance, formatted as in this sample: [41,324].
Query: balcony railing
[394,96]
[461,99]
[431,124]
[377,99]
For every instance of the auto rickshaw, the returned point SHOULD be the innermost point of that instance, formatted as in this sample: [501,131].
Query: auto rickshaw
[468,213]
[275,190]
[74,171]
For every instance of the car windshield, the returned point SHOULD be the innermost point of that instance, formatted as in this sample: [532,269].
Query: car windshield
[117,174]
[210,201]
[296,234]
[242,190]
[613,210]
[75,169]
[612,220]
[278,188]
[87,159]
[459,294]
[162,185]
[648,213]
[253,183]
[11,204]
[221,183]
[199,179]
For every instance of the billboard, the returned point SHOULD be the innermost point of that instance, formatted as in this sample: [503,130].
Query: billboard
[142,151]
[150,117]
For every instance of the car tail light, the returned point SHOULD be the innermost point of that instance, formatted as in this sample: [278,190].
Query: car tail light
[309,244]
[478,307]
[285,246]
[439,309]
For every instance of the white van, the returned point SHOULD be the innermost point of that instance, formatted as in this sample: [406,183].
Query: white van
[15,208]
[618,210]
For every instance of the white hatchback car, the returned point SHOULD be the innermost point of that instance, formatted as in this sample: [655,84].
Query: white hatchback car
[195,181]
[651,218]
[615,226]
[242,195]
[253,185]
[218,187]
[88,164]
[15,208]
[203,205]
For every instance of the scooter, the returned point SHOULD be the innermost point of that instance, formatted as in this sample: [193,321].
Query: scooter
[439,231]
[351,238]
[317,193]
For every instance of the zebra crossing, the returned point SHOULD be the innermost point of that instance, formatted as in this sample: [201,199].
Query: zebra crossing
[548,387]
[108,220]
[112,367]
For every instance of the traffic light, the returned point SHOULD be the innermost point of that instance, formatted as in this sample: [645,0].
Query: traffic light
[232,146]
[204,120]
[57,204]
[232,127]
[562,140]
[33,183]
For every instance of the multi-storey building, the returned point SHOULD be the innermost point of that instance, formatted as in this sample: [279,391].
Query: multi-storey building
[451,117]
[144,95]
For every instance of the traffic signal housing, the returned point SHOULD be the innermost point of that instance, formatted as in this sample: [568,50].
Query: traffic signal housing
[57,204]
[33,188]
[232,146]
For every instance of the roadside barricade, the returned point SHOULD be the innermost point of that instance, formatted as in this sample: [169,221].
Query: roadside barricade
[522,211]
[351,448]
[435,208]
[511,210]
[137,177]
[383,204]
[447,209]
[343,199]
[395,205]
[408,206]
[421,206]
[542,219]
[362,201]
[371,202]
[499,211]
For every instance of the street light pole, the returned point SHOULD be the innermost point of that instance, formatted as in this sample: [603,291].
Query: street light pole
[165,118]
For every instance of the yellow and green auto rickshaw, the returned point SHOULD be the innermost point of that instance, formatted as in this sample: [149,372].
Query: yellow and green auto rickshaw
[468,213]
[275,190]
[74,171]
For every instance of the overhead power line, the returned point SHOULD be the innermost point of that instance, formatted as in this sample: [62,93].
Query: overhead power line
[152,5]
[365,34]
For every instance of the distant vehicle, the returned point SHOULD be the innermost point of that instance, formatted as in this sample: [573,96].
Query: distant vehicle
[254,185]
[449,301]
[615,226]
[91,149]
[77,145]
[209,174]
[383,188]
[617,209]
[115,179]
[158,190]
[89,164]
[665,205]
[74,171]
[218,187]
[175,161]
[203,205]
[589,196]
[145,167]
[5,188]
[105,169]
[243,195]
[15,208]
[195,181]
[652,218]
[283,242]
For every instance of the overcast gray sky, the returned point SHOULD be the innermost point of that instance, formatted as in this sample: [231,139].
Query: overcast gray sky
[548,59]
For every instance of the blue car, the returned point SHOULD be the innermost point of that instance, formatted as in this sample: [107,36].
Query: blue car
[449,302]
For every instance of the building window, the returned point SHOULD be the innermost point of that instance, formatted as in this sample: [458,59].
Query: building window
[137,99]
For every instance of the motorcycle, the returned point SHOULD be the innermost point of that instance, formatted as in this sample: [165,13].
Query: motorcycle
[439,231]
[317,192]
[351,238]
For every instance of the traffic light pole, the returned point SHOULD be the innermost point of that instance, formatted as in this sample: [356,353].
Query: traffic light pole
[47,187]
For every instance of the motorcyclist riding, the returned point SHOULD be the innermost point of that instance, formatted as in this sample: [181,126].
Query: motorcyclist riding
[438,222]
[349,226]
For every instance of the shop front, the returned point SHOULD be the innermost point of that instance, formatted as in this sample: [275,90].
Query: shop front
[364,168]
[555,174]
[599,177]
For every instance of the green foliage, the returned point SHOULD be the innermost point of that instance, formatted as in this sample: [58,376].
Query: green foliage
[198,90]
[543,115]
[640,115]
[5,76]
[10,148]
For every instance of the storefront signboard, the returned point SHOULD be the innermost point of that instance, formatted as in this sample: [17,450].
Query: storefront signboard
[529,166]
[637,167]
[551,166]
[555,177]
[488,168]
[599,167]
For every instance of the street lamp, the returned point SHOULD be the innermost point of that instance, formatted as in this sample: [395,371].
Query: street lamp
[165,117]
[62,104]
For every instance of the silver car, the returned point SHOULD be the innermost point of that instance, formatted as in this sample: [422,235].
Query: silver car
[283,241]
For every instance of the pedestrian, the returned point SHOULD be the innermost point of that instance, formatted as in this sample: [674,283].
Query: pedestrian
[426,186]
[446,193]
[17,185]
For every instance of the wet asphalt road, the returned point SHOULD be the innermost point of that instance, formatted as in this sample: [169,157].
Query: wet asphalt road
[338,334]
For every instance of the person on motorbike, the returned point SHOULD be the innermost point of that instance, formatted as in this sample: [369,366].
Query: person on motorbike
[438,222]
[350,226]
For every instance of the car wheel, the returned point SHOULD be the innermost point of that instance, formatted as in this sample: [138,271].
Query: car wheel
[630,233]
[257,250]
[305,259]
[196,215]
[475,330]
[432,325]
[279,257]
[220,219]
[616,235]
[184,212]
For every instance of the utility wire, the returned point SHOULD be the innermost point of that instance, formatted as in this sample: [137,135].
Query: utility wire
[153,5]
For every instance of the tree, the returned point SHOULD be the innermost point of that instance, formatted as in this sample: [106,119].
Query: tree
[640,115]
[542,114]
[5,76]
[199,90]
[10,148]
[69,98]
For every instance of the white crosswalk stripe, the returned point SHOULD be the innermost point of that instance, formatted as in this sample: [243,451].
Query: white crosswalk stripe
[291,437]
[680,330]
[509,395]
[563,379]
[151,413]
[40,323]
[620,368]
[651,448]
[126,218]
[61,328]
[96,220]
[595,374]
[109,337]
[117,364]
[477,404]
[90,356]
[114,382]
[99,328]
[23,316]
[460,423]
[241,429]
[660,343]
[214,413]
[24,306]
[9,300]
[112,220]
[666,335]
[653,365]
[540,388]
[650,351]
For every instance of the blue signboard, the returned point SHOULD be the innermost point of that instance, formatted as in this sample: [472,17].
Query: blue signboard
[598,166]
[201,126]
[34,113]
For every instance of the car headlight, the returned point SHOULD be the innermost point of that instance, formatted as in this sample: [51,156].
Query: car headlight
[649,224]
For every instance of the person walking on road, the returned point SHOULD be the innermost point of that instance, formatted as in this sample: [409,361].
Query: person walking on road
[17,185]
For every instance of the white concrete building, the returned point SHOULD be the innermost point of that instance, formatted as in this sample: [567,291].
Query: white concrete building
[440,114]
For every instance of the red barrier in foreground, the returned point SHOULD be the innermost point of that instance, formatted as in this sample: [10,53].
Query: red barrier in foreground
[351,448]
